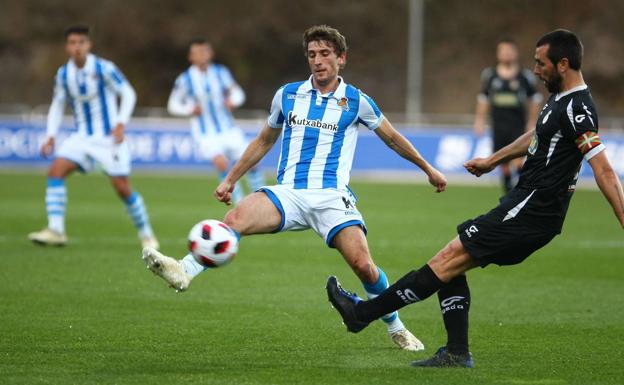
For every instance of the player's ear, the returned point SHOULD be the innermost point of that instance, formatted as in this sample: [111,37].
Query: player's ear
[563,65]
[342,60]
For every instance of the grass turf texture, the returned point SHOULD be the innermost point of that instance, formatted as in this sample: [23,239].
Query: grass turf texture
[90,313]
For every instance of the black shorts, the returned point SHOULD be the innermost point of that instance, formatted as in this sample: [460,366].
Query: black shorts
[490,239]
[503,137]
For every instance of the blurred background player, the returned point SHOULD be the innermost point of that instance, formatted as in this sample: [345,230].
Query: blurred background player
[91,86]
[208,93]
[319,118]
[509,94]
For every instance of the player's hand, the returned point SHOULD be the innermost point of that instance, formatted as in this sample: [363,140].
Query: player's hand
[118,133]
[479,166]
[437,180]
[197,110]
[47,148]
[229,104]
[223,192]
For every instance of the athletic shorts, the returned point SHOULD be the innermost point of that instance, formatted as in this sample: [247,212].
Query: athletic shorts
[503,137]
[326,211]
[231,144]
[86,151]
[496,238]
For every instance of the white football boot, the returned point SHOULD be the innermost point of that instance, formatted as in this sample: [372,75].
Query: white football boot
[150,242]
[405,340]
[167,268]
[48,237]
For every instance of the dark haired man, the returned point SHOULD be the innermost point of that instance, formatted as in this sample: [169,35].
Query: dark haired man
[509,94]
[207,93]
[525,220]
[91,85]
[319,119]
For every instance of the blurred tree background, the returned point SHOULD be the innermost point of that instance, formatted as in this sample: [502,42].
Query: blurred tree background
[261,42]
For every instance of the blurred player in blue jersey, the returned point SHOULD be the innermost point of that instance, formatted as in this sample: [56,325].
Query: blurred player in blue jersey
[91,86]
[207,92]
[319,118]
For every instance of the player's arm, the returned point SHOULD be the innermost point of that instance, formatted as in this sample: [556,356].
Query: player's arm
[256,150]
[55,116]
[516,149]
[180,103]
[399,144]
[609,183]
[481,114]
[483,104]
[127,99]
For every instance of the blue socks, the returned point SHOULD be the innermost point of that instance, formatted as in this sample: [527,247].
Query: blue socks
[138,214]
[373,290]
[56,200]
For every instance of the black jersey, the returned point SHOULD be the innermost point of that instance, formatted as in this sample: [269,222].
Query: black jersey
[508,98]
[566,131]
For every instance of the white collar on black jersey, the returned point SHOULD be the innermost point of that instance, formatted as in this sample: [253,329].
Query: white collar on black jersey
[338,94]
[89,63]
[568,92]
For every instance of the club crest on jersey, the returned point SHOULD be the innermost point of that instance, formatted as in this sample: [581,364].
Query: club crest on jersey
[294,121]
[344,103]
[533,145]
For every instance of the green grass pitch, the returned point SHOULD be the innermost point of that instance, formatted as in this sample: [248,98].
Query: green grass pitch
[90,313]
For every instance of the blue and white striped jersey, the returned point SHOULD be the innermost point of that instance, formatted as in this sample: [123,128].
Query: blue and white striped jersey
[209,90]
[320,133]
[92,93]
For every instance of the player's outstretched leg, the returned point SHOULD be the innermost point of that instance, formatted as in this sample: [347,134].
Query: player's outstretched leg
[56,199]
[399,334]
[415,286]
[169,269]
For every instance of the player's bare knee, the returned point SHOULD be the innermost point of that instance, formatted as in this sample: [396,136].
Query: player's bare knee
[365,269]
[234,220]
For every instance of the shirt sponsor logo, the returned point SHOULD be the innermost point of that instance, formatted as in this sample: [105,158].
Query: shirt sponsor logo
[293,121]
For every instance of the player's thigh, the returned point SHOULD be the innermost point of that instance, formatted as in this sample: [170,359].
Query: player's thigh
[255,214]
[61,167]
[351,243]
[451,261]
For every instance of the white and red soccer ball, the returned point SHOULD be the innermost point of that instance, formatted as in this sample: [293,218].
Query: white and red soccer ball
[212,243]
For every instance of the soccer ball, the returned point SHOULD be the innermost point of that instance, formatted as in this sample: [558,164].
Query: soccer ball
[212,243]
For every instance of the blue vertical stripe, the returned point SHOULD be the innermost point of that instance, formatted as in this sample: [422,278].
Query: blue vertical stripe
[211,108]
[310,141]
[330,179]
[86,109]
[287,106]
[102,94]
[226,94]
[191,90]
[68,95]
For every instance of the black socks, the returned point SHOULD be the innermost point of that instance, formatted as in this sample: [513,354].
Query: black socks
[413,287]
[454,300]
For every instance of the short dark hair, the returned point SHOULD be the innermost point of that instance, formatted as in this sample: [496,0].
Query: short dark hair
[78,29]
[506,40]
[563,44]
[325,33]
[198,41]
